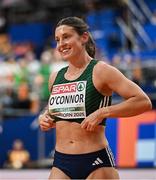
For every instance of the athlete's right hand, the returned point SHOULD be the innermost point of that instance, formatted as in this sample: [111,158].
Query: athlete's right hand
[46,122]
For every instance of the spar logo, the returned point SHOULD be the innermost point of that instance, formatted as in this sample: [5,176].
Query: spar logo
[64,88]
[68,88]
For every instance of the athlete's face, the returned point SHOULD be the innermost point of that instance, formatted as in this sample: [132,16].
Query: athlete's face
[69,42]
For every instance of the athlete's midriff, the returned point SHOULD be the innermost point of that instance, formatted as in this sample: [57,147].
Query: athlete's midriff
[72,139]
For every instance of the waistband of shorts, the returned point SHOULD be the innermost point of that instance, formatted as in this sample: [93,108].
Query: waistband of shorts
[83,155]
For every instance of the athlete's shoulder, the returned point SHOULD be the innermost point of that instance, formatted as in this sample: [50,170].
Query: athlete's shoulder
[52,79]
[54,74]
[101,65]
[103,70]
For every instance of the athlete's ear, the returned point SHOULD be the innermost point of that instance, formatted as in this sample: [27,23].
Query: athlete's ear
[85,37]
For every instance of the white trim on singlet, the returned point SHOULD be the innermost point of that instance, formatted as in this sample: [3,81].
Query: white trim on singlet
[104,102]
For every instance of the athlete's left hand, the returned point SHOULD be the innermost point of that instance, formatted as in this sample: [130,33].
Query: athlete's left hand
[92,121]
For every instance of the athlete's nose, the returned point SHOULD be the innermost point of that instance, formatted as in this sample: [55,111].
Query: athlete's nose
[62,42]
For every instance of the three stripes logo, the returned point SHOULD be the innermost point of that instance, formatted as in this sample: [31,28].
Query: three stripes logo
[97,161]
[108,155]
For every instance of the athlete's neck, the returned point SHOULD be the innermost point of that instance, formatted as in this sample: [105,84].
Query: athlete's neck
[79,64]
[76,69]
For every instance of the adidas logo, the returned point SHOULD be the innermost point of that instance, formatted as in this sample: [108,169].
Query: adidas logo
[97,161]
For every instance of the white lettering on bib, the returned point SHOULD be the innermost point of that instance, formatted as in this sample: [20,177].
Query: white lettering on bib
[69,100]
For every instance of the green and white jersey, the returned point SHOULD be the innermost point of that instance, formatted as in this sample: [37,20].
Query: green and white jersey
[78,98]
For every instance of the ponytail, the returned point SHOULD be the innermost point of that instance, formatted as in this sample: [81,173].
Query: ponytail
[90,46]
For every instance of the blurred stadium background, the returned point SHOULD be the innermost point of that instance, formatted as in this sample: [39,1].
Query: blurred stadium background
[125,36]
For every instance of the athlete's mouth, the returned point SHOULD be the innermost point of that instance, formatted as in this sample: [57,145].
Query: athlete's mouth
[65,50]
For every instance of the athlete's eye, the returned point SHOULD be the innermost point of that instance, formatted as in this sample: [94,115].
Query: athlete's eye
[56,39]
[65,37]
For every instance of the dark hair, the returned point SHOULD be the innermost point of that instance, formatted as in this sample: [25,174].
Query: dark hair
[80,27]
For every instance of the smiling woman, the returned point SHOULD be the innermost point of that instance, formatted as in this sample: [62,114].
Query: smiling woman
[80,102]
[68,33]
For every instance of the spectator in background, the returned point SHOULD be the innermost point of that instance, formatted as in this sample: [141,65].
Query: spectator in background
[127,65]
[7,99]
[137,75]
[41,79]
[18,156]
[114,42]
[24,100]
[22,74]
[33,65]
[116,62]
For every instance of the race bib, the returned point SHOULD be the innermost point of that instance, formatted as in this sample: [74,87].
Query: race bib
[69,100]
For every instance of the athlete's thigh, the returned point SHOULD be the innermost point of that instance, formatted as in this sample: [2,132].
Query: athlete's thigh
[104,173]
[57,174]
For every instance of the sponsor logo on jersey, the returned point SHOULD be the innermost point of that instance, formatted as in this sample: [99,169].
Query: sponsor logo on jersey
[69,100]
[64,88]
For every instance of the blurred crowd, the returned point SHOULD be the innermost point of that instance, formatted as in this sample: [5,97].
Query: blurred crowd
[24,81]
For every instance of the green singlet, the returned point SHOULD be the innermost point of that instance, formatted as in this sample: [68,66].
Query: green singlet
[78,98]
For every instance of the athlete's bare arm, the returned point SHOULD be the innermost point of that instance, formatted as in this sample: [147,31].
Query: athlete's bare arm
[108,79]
[136,101]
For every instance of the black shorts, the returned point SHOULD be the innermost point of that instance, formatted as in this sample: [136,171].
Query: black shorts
[79,166]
